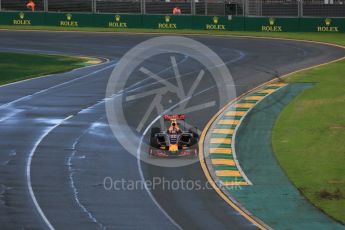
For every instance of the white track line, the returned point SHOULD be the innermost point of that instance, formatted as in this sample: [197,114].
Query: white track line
[28,171]
[142,177]
[71,173]
[139,158]
[49,75]
[56,86]
[28,166]
[233,147]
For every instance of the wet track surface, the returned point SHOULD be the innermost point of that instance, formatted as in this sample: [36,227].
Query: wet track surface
[68,160]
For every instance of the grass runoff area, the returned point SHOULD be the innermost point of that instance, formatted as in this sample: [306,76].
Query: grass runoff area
[20,66]
[309,135]
[308,138]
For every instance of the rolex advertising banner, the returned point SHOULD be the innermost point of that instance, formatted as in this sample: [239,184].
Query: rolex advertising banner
[119,21]
[272,24]
[171,22]
[22,18]
[72,20]
[218,23]
[322,25]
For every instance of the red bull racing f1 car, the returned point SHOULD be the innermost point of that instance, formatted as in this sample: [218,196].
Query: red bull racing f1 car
[173,142]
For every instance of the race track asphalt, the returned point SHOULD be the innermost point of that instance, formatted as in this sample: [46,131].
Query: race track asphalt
[68,160]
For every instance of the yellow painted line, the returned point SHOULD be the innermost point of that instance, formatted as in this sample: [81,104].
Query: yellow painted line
[278,84]
[220,141]
[228,122]
[267,91]
[257,98]
[235,113]
[90,60]
[244,105]
[223,131]
[223,162]
[93,62]
[228,173]
[221,150]
[234,183]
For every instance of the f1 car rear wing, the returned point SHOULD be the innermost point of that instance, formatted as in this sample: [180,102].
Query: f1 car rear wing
[168,117]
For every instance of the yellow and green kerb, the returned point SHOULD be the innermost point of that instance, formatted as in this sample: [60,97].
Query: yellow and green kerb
[222,137]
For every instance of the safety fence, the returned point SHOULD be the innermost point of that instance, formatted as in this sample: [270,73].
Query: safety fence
[194,7]
[301,8]
[172,22]
[289,8]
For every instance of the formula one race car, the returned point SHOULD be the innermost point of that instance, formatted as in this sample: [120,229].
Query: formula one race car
[174,142]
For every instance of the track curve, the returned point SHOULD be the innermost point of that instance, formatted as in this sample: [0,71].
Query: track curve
[73,157]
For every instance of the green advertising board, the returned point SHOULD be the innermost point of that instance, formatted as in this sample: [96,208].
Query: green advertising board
[218,23]
[171,22]
[69,20]
[22,18]
[174,22]
[272,24]
[118,21]
[322,25]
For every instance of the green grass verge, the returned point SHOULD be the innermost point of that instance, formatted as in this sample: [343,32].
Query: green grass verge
[309,135]
[336,38]
[20,66]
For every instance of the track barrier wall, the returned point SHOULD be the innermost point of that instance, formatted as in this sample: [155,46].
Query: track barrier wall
[174,22]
